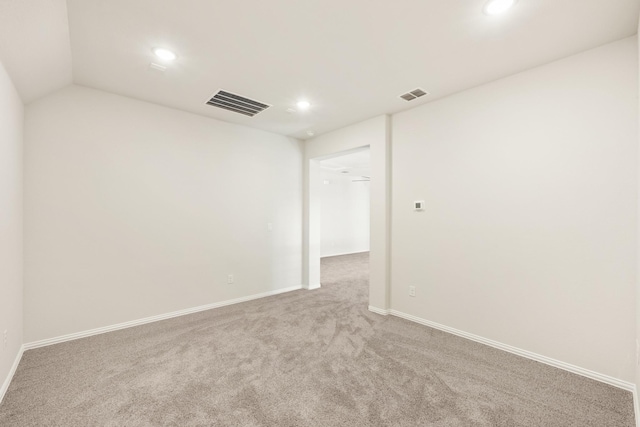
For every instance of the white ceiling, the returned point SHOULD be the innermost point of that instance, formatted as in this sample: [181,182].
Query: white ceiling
[351,59]
[354,164]
[34,46]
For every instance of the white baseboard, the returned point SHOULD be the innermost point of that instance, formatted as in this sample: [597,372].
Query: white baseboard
[7,381]
[124,325]
[343,253]
[636,409]
[625,385]
[312,286]
[377,310]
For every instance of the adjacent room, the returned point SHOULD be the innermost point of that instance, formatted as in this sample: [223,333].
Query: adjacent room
[344,204]
[319,213]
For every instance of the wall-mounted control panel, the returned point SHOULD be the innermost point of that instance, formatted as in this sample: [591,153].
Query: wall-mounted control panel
[418,205]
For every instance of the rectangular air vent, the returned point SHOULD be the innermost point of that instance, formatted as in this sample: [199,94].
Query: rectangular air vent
[237,103]
[416,93]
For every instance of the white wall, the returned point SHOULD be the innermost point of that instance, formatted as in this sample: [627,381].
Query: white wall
[11,125]
[375,134]
[637,337]
[529,233]
[344,215]
[134,210]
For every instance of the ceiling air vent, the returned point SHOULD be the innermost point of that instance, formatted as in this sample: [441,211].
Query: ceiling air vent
[237,103]
[416,93]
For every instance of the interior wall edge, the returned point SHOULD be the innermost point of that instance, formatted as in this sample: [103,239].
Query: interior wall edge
[14,367]
[636,409]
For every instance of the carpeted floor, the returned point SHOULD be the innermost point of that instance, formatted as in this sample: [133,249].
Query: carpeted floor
[305,358]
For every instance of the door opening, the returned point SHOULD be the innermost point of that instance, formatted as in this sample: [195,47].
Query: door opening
[345,219]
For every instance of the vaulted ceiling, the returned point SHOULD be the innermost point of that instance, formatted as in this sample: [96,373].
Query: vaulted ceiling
[350,59]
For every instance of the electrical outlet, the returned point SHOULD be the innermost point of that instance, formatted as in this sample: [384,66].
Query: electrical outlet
[230,279]
[412,291]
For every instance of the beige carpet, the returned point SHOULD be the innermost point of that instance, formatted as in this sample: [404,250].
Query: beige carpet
[305,358]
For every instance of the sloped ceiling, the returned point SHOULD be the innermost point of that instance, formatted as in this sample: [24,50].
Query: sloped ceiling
[351,59]
[34,46]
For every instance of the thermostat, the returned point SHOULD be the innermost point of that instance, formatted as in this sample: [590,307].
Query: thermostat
[418,205]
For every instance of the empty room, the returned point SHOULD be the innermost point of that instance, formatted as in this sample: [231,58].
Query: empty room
[344,222]
[319,213]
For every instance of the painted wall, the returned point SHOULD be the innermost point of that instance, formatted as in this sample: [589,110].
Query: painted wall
[344,215]
[637,340]
[529,233]
[11,236]
[375,134]
[134,210]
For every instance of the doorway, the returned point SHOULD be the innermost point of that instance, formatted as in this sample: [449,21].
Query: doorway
[344,204]
[374,134]
[344,222]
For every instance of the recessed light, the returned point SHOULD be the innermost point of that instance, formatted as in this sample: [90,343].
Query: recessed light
[496,7]
[164,54]
[310,133]
[303,105]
